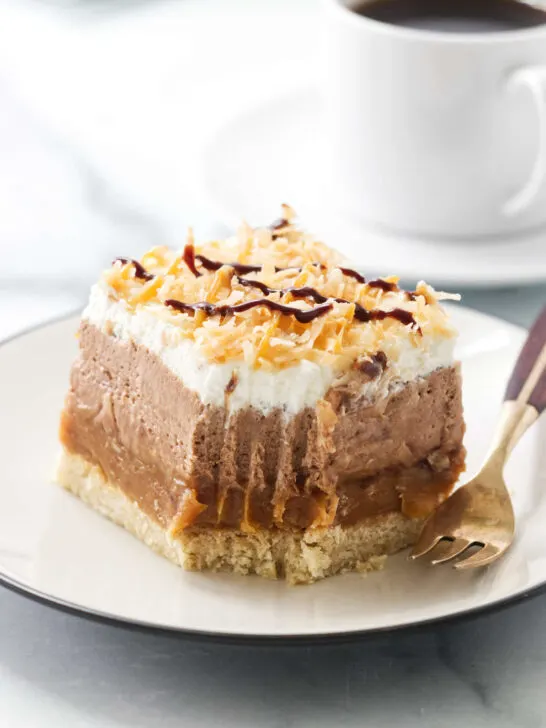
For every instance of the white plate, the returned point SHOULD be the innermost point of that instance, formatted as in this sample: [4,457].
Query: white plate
[273,153]
[54,547]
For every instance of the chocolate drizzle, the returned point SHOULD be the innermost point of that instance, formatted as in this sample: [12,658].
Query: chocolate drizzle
[247,283]
[240,268]
[210,309]
[361,313]
[140,271]
[401,315]
[304,317]
[278,226]
[213,265]
[386,286]
[353,274]
[189,259]
[308,292]
[304,292]
[243,269]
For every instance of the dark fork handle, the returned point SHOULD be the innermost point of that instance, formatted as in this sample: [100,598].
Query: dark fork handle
[528,380]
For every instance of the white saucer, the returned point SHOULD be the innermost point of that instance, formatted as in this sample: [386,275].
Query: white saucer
[55,548]
[272,153]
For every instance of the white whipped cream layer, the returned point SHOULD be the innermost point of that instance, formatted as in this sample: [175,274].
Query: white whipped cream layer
[292,389]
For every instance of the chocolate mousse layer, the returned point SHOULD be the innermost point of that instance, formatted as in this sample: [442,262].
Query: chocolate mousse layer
[190,464]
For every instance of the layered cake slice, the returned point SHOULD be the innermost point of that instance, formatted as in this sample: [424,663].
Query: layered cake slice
[254,406]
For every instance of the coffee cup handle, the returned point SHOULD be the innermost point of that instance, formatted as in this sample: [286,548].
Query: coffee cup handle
[532,78]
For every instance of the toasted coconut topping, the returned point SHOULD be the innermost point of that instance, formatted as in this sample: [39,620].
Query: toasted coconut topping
[274,296]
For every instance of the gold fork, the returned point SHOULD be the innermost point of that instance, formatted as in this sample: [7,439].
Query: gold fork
[480,514]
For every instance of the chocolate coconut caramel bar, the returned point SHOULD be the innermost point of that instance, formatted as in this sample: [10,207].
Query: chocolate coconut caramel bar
[251,405]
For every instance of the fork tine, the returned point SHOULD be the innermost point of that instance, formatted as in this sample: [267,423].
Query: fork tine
[424,545]
[453,549]
[484,556]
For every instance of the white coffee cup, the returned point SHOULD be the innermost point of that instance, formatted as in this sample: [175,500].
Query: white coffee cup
[432,133]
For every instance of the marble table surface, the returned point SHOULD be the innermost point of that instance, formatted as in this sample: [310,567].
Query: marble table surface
[57,670]
[98,147]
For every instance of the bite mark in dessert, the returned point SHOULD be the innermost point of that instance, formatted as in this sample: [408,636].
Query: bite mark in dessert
[253,406]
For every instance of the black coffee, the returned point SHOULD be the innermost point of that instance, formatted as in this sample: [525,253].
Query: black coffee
[455,16]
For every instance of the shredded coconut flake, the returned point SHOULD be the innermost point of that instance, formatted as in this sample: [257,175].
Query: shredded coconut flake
[266,338]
